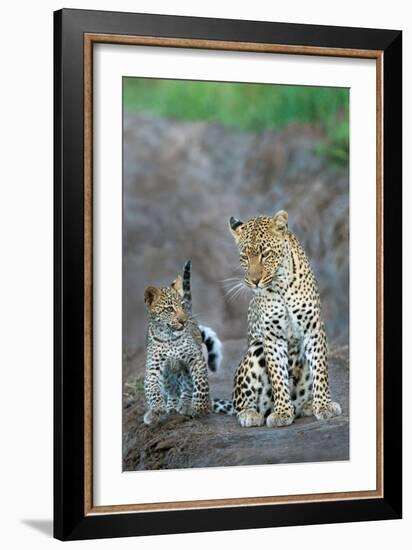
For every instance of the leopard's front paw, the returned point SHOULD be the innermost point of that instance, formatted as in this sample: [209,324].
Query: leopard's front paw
[201,408]
[250,418]
[280,418]
[328,410]
[152,416]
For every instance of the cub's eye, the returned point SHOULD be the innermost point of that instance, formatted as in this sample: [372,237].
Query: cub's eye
[243,257]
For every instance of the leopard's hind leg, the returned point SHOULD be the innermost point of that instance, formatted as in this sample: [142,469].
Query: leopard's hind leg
[171,390]
[307,409]
[186,392]
[300,381]
[250,395]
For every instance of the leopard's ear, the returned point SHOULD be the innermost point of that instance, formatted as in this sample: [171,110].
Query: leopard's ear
[178,285]
[151,295]
[280,221]
[235,227]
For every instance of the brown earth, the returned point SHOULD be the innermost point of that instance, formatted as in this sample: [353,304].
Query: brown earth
[218,440]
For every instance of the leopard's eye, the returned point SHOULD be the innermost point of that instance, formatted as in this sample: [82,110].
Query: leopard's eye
[243,257]
[265,253]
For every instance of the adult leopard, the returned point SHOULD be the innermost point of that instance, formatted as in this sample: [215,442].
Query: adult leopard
[284,373]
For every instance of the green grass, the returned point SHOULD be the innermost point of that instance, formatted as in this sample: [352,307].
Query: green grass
[135,385]
[246,107]
[335,148]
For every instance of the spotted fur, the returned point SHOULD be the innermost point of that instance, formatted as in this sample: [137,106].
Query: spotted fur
[176,373]
[187,291]
[284,371]
[223,406]
[209,337]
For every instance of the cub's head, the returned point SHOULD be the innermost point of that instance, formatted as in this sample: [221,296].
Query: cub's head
[261,243]
[166,304]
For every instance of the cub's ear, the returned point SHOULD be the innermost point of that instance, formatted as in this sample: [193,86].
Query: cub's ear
[235,227]
[151,295]
[178,285]
[280,221]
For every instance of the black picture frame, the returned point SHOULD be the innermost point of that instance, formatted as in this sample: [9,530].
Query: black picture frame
[70,520]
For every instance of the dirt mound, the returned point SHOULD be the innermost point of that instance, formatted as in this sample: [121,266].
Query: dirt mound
[218,440]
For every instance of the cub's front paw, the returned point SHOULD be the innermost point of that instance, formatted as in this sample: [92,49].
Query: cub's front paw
[280,418]
[152,416]
[250,418]
[323,412]
[185,409]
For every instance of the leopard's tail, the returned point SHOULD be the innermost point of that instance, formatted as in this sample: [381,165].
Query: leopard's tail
[209,336]
[223,406]
[213,346]
[187,292]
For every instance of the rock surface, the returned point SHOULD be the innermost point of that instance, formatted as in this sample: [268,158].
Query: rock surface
[218,440]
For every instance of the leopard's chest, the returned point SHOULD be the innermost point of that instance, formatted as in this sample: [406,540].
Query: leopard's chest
[271,312]
[172,350]
[180,350]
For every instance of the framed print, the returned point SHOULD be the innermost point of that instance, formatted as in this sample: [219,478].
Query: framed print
[227,274]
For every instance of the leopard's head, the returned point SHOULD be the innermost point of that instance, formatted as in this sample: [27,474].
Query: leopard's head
[166,304]
[261,243]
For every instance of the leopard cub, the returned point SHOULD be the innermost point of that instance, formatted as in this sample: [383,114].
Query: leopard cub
[176,378]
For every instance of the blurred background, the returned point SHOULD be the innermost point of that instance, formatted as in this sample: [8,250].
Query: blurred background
[196,153]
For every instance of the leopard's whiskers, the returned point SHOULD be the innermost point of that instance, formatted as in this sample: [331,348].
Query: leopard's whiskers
[233,288]
[229,279]
[238,289]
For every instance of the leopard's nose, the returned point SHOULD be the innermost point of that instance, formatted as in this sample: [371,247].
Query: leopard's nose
[181,317]
[254,281]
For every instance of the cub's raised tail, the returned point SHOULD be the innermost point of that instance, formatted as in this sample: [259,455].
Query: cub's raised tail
[209,336]
[187,292]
